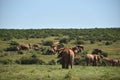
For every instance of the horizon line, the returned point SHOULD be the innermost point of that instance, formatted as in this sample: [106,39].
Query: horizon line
[63,28]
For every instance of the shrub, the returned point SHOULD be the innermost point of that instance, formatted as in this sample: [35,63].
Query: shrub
[79,61]
[64,40]
[2,54]
[14,43]
[92,42]
[105,54]
[108,43]
[7,38]
[52,62]
[34,56]
[84,52]
[20,52]
[6,61]
[29,60]
[59,61]
[60,46]
[47,43]
[43,50]
[11,48]
[80,42]
[115,40]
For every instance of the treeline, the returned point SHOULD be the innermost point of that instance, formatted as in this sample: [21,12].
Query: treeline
[84,34]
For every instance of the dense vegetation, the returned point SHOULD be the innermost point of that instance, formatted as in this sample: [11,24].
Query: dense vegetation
[85,34]
[29,64]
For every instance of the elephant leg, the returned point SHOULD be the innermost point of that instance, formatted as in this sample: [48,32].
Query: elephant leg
[63,63]
[113,64]
[87,61]
[63,66]
[71,63]
[94,63]
[67,66]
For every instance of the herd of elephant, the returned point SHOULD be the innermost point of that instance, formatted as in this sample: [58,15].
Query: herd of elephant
[67,55]
[26,47]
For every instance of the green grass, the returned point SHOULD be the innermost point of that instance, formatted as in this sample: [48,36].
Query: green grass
[54,72]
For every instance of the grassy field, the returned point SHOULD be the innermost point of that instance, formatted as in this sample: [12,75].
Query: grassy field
[54,72]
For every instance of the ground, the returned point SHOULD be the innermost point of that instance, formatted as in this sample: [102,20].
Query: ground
[54,72]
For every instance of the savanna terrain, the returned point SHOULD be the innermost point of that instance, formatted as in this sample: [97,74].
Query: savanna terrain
[38,64]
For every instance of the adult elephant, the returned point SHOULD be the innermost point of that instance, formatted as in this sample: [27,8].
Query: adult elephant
[67,57]
[107,61]
[77,49]
[115,62]
[97,51]
[92,58]
[53,50]
[80,47]
[25,47]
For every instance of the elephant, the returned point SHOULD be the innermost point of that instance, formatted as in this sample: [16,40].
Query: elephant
[107,61]
[54,47]
[36,48]
[77,49]
[81,47]
[50,51]
[67,57]
[25,47]
[115,62]
[111,61]
[53,50]
[97,51]
[35,45]
[92,58]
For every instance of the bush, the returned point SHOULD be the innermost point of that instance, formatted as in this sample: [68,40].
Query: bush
[11,48]
[76,61]
[92,42]
[20,52]
[60,46]
[105,54]
[47,43]
[29,60]
[52,62]
[83,53]
[64,40]
[43,50]
[80,42]
[3,54]
[79,61]
[6,61]
[7,38]
[108,43]
[59,61]
[14,43]
[34,56]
